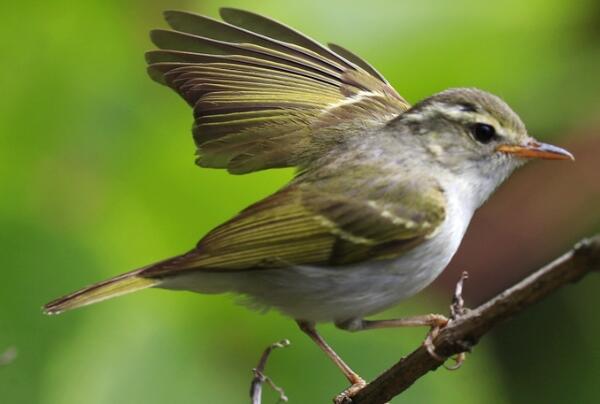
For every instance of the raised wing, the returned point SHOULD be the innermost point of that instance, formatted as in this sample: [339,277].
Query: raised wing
[306,224]
[263,94]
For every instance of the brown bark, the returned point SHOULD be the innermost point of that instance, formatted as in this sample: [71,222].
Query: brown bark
[463,333]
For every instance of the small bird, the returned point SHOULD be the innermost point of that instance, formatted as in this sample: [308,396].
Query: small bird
[383,194]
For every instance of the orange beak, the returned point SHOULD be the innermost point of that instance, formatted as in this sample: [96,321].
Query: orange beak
[534,149]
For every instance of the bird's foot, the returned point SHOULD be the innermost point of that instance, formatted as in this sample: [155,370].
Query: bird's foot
[441,322]
[457,309]
[345,397]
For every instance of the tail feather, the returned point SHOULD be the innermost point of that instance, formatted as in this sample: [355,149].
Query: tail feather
[117,286]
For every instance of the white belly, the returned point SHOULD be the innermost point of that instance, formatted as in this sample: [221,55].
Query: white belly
[339,293]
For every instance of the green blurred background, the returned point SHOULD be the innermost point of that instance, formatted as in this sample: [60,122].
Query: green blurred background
[97,177]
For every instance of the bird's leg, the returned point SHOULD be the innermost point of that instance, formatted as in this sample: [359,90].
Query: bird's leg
[435,321]
[355,380]
[427,320]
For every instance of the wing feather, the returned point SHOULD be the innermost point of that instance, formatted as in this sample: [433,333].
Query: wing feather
[274,29]
[263,94]
[306,225]
[208,27]
[357,60]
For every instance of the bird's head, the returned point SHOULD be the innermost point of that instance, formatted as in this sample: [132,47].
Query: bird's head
[475,135]
[476,125]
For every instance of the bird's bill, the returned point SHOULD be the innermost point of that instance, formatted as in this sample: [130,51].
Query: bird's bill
[538,150]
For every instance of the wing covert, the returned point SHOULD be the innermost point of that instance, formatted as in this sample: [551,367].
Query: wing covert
[305,225]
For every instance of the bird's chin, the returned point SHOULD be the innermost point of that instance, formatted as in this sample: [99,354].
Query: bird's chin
[490,175]
[518,161]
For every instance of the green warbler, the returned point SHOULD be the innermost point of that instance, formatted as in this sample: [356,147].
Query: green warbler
[383,194]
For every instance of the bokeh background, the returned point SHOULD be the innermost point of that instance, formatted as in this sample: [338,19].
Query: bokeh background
[97,177]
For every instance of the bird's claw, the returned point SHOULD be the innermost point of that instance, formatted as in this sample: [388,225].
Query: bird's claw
[459,359]
[430,347]
[345,397]
[428,343]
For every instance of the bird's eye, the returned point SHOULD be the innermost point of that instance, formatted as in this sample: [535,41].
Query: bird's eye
[483,133]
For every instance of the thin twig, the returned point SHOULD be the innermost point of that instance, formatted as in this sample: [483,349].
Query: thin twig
[260,377]
[457,308]
[463,333]
[8,356]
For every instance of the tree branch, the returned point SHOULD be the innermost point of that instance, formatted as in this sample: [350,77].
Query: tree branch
[260,377]
[464,332]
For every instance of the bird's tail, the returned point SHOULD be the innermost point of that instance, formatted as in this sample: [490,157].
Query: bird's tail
[117,286]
